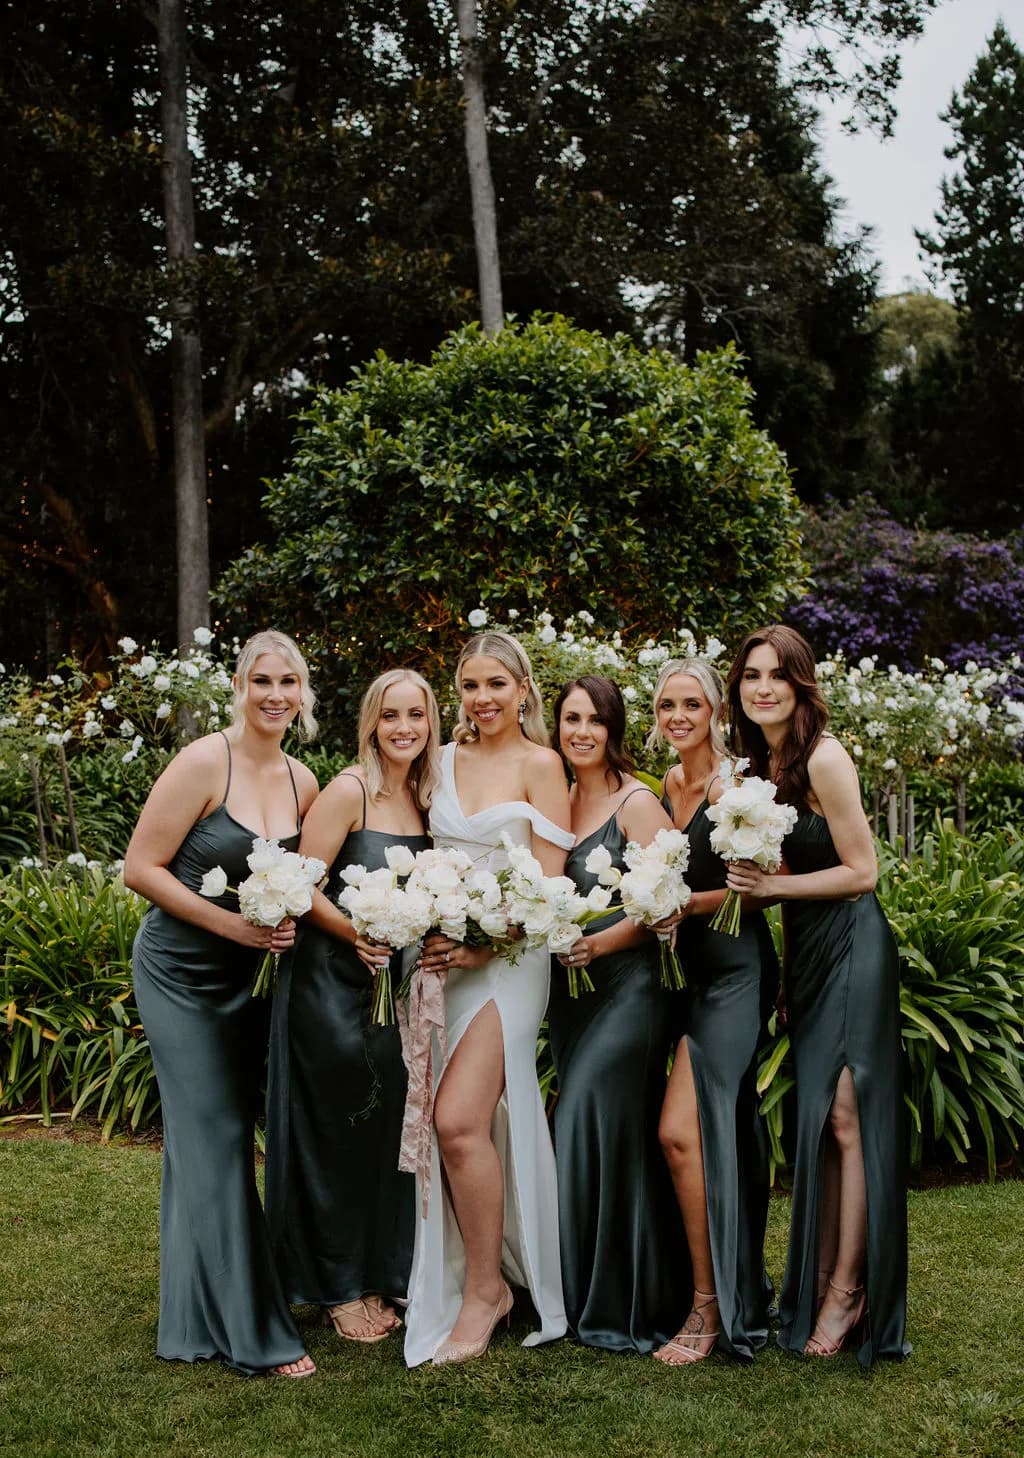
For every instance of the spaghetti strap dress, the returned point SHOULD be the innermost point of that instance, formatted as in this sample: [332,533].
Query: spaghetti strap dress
[843,1003]
[339,1212]
[220,1295]
[625,1271]
[730,989]
[519,993]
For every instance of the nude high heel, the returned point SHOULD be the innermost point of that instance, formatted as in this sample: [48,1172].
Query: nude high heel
[820,1346]
[451,1352]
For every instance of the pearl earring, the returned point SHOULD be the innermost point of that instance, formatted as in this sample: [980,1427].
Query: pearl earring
[522,710]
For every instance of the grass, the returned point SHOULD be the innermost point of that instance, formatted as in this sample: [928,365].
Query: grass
[78,1299]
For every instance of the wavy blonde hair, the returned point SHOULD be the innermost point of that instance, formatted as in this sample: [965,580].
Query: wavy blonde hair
[511,655]
[424,771]
[271,640]
[713,689]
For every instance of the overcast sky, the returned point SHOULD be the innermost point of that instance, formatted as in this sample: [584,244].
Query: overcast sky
[894,184]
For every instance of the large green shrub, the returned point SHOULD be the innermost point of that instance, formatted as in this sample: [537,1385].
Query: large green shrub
[545,469]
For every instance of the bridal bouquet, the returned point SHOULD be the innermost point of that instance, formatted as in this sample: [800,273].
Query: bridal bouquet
[550,909]
[749,826]
[281,885]
[651,888]
[386,907]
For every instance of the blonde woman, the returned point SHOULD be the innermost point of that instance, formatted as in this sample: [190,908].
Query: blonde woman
[340,1213]
[193,965]
[710,1131]
[493,1218]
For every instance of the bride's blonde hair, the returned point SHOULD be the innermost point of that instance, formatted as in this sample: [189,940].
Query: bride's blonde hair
[511,656]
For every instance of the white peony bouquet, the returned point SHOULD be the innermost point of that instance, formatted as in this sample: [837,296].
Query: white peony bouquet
[749,826]
[651,888]
[281,884]
[388,909]
[550,909]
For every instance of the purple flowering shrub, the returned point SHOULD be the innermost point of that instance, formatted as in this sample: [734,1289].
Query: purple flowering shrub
[907,594]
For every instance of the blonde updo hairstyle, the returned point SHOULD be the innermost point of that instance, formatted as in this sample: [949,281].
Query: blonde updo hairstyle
[713,689]
[273,641]
[424,770]
[511,656]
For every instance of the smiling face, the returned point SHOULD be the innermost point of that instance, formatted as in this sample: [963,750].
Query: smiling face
[684,714]
[582,733]
[490,694]
[273,693]
[403,729]
[767,696]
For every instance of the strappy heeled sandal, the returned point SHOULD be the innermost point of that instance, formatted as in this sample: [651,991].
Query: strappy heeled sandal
[677,1353]
[350,1311]
[824,1347]
[383,1312]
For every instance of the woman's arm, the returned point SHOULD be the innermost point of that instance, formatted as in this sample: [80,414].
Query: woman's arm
[187,791]
[334,814]
[835,786]
[547,790]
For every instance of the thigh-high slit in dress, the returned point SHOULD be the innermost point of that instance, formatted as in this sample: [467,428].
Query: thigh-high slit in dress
[519,993]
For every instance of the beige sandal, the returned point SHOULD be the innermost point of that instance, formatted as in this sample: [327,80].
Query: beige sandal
[823,1346]
[385,1313]
[676,1352]
[342,1316]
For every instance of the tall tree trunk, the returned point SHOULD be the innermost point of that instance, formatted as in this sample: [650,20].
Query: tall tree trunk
[481,184]
[193,537]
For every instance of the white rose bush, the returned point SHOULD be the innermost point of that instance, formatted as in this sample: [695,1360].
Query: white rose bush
[281,885]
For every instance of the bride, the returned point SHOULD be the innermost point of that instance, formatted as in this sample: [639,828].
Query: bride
[494,1214]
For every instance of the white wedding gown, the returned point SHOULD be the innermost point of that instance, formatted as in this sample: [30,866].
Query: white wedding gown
[530,1255]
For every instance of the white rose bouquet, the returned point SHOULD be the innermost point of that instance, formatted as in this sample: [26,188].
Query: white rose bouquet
[749,826]
[281,885]
[651,888]
[549,909]
[387,908]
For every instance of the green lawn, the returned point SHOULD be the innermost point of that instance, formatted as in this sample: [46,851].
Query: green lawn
[78,1297]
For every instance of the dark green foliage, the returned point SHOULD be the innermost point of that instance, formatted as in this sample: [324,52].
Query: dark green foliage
[548,468]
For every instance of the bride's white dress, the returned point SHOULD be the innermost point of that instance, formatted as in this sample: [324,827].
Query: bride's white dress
[530,1255]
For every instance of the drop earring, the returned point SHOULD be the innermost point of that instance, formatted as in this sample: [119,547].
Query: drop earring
[522,710]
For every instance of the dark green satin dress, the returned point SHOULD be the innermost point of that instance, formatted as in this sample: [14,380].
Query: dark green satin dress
[340,1214]
[625,1270]
[220,1296]
[731,985]
[843,1001]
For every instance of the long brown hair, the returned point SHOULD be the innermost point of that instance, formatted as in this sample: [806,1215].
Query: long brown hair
[606,697]
[796,659]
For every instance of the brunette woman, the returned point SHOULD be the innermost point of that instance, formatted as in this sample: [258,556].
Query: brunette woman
[493,1219]
[340,1214]
[710,1130]
[193,966]
[846,1277]
[624,1270]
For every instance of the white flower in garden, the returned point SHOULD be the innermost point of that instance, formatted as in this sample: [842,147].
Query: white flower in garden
[713,648]
[108,702]
[202,636]
[547,634]
[145,666]
[937,664]
[54,738]
[970,666]
[477,618]
[568,637]
[41,719]
[31,863]
[132,753]
[3,669]
[586,618]
[545,619]
[127,645]
[512,614]
[126,728]
[56,680]
[161,683]
[76,858]
[163,711]
[190,670]
[889,764]
[91,728]
[857,751]
[629,693]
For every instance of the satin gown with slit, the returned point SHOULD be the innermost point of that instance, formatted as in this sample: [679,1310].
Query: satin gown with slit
[731,986]
[519,992]
[842,998]
[625,1271]
[340,1213]
[220,1294]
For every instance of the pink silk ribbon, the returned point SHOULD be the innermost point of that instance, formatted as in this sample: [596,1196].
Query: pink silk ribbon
[417,1024]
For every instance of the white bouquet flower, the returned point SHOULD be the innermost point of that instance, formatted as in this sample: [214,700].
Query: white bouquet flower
[281,884]
[749,826]
[651,888]
[387,912]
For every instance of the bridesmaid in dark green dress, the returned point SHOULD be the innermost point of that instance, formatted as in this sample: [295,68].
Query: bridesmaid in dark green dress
[624,1272]
[193,965]
[846,1277]
[340,1214]
[713,1138]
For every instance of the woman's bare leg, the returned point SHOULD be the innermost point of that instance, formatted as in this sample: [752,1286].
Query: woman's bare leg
[679,1132]
[839,1308]
[472,1085]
